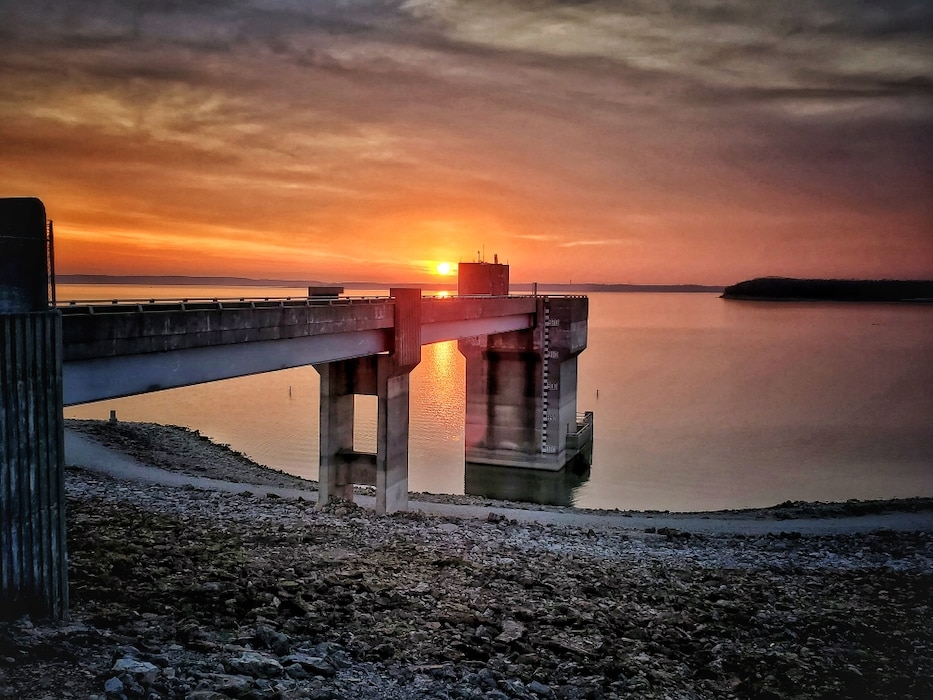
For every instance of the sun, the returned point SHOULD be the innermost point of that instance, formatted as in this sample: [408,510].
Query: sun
[444,268]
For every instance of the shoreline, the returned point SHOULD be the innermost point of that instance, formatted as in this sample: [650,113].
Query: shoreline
[162,446]
[189,593]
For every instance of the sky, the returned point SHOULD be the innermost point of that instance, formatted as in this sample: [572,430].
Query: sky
[617,141]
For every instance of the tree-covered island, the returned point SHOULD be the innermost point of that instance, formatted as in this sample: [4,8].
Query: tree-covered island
[794,289]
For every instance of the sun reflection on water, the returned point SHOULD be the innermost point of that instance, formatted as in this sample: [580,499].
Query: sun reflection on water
[438,388]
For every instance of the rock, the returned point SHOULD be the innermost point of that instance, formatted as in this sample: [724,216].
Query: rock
[296,672]
[231,685]
[141,670]
[512,630]
[273,598]
[271,639]
[255,664]
[113,687]
[316,665]
[673,533]
[488,678]
[496,695]
[384,651]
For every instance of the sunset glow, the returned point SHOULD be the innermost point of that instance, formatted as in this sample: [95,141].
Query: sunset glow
[598,142]
[444,268]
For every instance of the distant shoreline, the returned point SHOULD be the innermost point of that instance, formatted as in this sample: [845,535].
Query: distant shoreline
[182,280]
[793,289]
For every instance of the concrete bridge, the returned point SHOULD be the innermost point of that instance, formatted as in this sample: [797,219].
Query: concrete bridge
[520,356]
[521,378]
[127,348]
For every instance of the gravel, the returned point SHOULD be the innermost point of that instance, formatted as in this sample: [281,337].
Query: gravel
[180,592]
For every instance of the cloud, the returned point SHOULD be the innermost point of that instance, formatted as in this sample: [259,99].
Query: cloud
[445,123]
[592,243]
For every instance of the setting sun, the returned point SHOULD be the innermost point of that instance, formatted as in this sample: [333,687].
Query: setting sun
[444,268]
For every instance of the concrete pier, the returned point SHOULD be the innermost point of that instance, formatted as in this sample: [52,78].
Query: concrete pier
[521,387]
[33,556]
[385,376]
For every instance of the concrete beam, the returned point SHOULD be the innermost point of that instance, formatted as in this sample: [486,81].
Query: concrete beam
[441,309]
[94,332]
[455,330]
[356,468]
[112,377]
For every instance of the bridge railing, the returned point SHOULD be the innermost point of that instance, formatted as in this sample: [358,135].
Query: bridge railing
[203,303]
[244,302]
[438,297]
[448,297]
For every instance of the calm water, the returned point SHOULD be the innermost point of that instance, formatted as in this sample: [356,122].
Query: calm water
[699,403]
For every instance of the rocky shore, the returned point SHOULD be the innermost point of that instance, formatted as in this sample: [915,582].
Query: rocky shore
[199,594]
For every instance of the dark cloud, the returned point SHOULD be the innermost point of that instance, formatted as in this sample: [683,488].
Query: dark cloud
[553,123]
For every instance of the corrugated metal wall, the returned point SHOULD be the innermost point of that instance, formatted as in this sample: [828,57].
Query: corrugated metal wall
[33,553]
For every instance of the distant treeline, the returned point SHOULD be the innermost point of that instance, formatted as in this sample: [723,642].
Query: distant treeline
[592,287]
[177,280]
[180,280]
[792,289]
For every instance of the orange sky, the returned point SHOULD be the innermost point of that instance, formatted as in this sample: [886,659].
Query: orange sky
[592,142]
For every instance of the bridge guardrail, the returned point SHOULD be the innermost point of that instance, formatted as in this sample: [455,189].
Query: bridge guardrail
[208,303]
[202,303]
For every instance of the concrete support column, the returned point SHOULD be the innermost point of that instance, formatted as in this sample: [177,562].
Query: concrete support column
[387,378]
[392,439]
[336,422]
[521,389]
[33,555]
[503,399]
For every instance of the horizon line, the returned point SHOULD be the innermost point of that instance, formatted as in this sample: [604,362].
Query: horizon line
[93,278]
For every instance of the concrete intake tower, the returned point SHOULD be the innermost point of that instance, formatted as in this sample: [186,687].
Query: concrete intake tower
[521,387]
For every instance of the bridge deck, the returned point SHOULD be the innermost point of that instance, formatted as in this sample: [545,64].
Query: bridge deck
[126,348]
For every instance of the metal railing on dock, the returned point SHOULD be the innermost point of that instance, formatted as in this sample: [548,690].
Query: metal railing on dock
[583,433]
[204,303]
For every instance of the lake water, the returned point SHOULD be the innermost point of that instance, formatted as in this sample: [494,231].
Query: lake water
[700,403]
